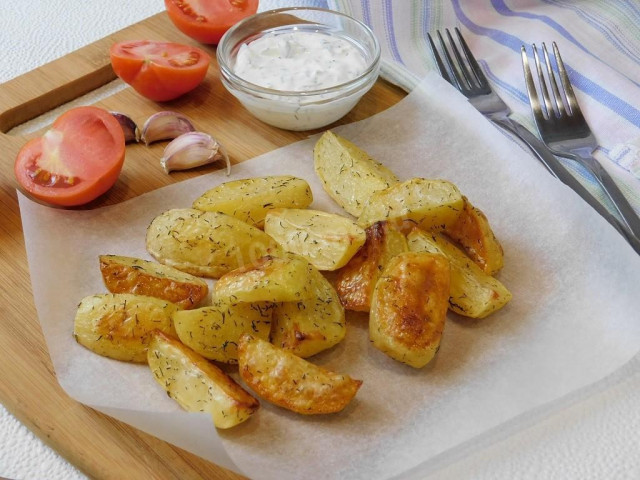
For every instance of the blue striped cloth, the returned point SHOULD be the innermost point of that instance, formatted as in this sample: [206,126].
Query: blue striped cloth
[599,43]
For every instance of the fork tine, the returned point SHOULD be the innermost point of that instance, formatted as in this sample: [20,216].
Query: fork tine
[461,64]
[548,108]
[456,75]
[554,85]
[475,68]
[566,83]
[534,100]
[443,70]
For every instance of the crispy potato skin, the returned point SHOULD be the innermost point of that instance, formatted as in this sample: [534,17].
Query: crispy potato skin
[283,278]
[311,325]
[196,384]
[326,240]
[119,325]
[134,275]
[207,244]
[213,331]
[409,307]
[431,204]
[291,382]
[356,280]
[473,293]
[474,234]
[348,174]
[251,199]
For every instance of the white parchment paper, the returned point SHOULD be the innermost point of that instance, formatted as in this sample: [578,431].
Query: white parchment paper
[573,319]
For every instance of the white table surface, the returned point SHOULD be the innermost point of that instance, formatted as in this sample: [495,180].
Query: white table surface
[596,438]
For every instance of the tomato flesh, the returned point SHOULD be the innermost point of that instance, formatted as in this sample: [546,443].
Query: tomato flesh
[45,178]
[160,71]
[207,20]
[75,161]
[45,168]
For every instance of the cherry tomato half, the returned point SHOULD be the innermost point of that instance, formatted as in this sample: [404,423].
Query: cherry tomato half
[160,71]
[78,159]
[206,21]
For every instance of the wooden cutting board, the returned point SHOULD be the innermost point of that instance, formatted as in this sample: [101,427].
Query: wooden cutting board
[98,445]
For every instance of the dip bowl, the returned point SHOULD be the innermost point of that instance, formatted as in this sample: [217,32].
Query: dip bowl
[299,110]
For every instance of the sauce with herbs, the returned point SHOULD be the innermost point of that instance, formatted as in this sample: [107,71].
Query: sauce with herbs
[299,61]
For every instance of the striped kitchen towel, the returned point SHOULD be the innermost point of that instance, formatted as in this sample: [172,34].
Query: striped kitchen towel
[599,42]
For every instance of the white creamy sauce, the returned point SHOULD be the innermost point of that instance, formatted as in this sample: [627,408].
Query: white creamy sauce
[299,61]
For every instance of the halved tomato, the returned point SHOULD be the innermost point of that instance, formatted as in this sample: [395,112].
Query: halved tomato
[75,161]
[207,20]
[160,71]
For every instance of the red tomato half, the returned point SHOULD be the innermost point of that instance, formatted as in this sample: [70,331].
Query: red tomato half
[75,161]
[207,20]
[160,71]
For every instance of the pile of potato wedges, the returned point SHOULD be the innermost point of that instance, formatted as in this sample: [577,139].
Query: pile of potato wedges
[405,251]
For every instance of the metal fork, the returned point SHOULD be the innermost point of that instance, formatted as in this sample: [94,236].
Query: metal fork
[469,79]
[563,128]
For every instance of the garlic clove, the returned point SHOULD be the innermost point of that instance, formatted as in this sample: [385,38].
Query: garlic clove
[165,126]
[193,149]
[225,157]
[129,127]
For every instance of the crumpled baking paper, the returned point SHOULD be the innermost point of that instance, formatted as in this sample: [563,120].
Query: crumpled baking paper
[573,319]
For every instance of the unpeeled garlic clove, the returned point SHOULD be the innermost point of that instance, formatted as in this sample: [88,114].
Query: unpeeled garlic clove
[165,126]
[193,149]
[129,127]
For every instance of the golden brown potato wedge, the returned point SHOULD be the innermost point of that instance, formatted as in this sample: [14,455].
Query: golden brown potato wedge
[196,384]
[142,277]
[474,234]
[428,203]
[310,325]
[250,199]
[119,325]
[213,331]
[284,278]
[409,307]
[291,382]
[473,293]
[326,240]
[348,174]
[356,280]
[209,244]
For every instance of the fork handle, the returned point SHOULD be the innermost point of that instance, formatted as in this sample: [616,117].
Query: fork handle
[629,216]
[549,160]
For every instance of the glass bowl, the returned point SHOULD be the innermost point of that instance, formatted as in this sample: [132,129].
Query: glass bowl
[299,110]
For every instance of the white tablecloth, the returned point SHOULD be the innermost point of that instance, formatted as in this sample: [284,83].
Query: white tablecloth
[596,438]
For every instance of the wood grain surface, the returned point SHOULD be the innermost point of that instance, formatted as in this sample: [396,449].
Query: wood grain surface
[98,445]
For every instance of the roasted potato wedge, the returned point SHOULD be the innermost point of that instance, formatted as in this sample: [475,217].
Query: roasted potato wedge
[409,307]
[142,277]
[348,174]
[310,325]
[196,384]
[213,331]
[119,325]
[291,382]
[473,233]
[473,293]
[429,203]
[326,240]
[285,278]
[208,244]
[356,280]
[250,199]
